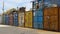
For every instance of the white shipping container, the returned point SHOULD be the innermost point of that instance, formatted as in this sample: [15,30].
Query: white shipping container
[21,19]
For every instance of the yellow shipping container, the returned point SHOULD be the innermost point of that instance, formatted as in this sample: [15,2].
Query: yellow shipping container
[28,19]
[21,19]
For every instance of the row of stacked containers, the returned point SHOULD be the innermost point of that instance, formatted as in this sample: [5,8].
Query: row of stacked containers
[47,18]
[40,18]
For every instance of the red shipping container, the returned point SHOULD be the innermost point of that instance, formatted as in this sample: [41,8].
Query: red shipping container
[11,19]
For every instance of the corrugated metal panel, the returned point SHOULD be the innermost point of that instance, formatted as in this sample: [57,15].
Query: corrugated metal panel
[51,20]
[28,19]
[21,19]
[38,18]
[15,16]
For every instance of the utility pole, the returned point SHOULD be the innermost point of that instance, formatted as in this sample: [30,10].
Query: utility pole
[17,4]
[3,7]
[3,12]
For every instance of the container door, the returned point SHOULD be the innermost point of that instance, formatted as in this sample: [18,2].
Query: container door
[35,22]
[38,18]
[6,19]
[26,19]
[15,19]
[11,19]
[21,19]
[30,19]
[54,19]
[46,18]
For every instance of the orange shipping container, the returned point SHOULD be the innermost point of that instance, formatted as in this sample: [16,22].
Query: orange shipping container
[59,18]
[51,18]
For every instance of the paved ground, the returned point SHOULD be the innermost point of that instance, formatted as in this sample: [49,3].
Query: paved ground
[5,29]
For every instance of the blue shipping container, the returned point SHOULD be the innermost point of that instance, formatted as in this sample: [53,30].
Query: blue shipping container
[47,2]
[38,19]
[56,2]
[15,19]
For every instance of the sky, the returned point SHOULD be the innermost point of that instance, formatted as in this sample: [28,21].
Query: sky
[8,4]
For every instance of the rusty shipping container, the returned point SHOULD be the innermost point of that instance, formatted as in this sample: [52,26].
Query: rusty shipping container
[28,19]
[59,18]
[10,19]
[51,18]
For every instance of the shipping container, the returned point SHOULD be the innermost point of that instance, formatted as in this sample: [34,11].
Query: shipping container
[33,5]
[51,18]
[15,18]
[47,3]
[6,19]
[0,19]
[3,19]
[10,19]
[56,2]
[50,3]
[59,19]
[21,19]
[28,19]
[38,19]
